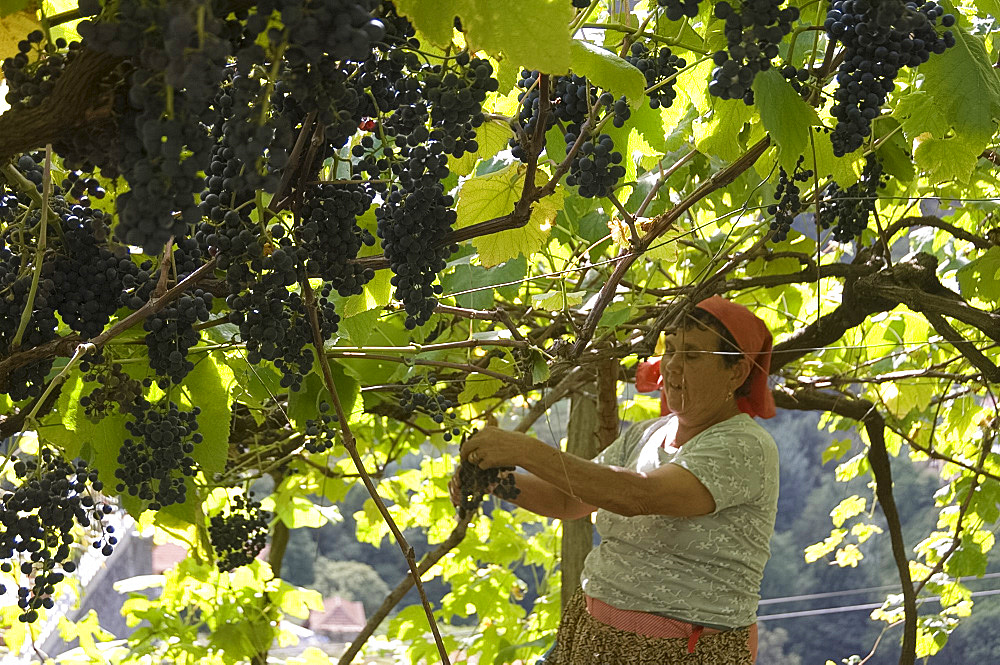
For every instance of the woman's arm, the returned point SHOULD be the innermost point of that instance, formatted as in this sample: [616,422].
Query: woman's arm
[544,498]
[668,490]
[536,495]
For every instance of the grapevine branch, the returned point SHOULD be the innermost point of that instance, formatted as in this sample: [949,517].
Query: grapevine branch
[936,222]
[404,586]
[865,412]
[352,449]
[660,225]
[64,346]
[76,104]
[956,540]
[39,252]
[978,359]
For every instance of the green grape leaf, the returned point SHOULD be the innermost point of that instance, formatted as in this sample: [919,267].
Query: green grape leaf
[817,551]
[492,138]
[303,404]
[785,115]
[980,277]
[88,630]
[359,328]
[377,293]
[479,386]
[919,112]
[494,195]
[15,23]
[720,135]
[297,601]
[540,371]
[952,158]
[210,385]
[8,7]
[606,70]
[895,159]
[555,301]
[510,27]
[963,82]
[465,280]
[477,281]
[844,170]
[850,507]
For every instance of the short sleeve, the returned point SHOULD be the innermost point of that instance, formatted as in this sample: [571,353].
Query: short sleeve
[734,467]
[616,453]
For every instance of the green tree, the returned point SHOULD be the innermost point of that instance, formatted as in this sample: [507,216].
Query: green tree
[351,580]
[337,247]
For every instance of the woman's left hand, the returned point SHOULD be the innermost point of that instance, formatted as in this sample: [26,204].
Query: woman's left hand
[492,447]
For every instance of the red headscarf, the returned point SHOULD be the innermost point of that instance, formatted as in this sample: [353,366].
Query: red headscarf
[753,338]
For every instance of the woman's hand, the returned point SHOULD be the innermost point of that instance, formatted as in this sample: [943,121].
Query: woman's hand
[492,447]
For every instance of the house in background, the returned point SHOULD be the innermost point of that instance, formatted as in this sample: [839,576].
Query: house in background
[340,620]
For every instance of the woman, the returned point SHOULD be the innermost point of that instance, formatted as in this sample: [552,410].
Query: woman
[685,505]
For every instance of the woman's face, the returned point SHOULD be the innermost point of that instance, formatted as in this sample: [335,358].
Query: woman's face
[697,380]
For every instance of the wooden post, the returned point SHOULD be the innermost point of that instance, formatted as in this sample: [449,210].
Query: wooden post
[593,425]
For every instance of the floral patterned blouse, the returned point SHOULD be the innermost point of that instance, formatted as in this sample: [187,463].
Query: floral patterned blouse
[704,570]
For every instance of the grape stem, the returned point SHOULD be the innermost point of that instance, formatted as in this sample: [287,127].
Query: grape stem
[621,27]
[660,181]
[29,305]
[472,369]
[660,224]
[62,345]
[351,446]
[81,350]
[629,219]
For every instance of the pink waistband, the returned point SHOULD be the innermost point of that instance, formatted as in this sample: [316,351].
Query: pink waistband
[643,623]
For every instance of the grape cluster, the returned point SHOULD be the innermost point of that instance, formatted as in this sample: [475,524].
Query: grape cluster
[328,228]
[320,432]
[456,102]
[177,55]
[156,458]
[848,210]
[571,100]
[170,333]
[660,70]
[596,168]
[92,278]
[15,287]
[411,225]
[789,203]
[797,78]
[39,517]
[675,10]
[618,108]
[117,390]
[475,483]
[879,39]
[273,321]
[30,82]
[429,401]
[528,111]
[753,32]
[239,534]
